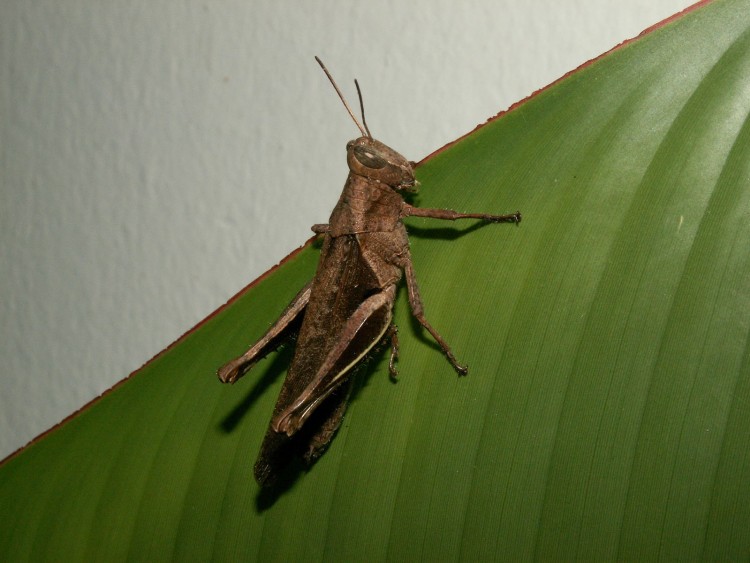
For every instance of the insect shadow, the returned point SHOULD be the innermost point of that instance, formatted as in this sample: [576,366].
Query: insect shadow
[443,233]
[279,365]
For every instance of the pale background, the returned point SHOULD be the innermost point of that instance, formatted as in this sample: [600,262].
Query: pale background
[156,157]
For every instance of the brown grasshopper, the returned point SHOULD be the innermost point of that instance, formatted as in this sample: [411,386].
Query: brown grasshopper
[347,308]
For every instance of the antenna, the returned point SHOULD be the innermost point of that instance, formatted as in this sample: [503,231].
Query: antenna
[362,108]
[365,132]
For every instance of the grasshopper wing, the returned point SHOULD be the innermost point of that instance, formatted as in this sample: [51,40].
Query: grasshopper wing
[347,314]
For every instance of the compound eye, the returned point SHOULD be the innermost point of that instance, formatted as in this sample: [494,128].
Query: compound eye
[368,158]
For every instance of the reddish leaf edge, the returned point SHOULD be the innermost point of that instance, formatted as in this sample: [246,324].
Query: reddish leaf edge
[588,63]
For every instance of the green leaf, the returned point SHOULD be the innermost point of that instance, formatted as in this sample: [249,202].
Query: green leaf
[607,409]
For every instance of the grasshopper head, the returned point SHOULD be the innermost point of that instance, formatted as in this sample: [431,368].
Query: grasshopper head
[372,159]
[376,161]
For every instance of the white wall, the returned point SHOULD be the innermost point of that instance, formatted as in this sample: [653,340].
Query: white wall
[158,156]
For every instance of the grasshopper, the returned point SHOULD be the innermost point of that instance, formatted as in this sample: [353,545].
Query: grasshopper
[347,307]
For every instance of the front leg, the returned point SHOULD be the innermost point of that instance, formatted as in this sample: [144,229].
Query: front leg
[450,215]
